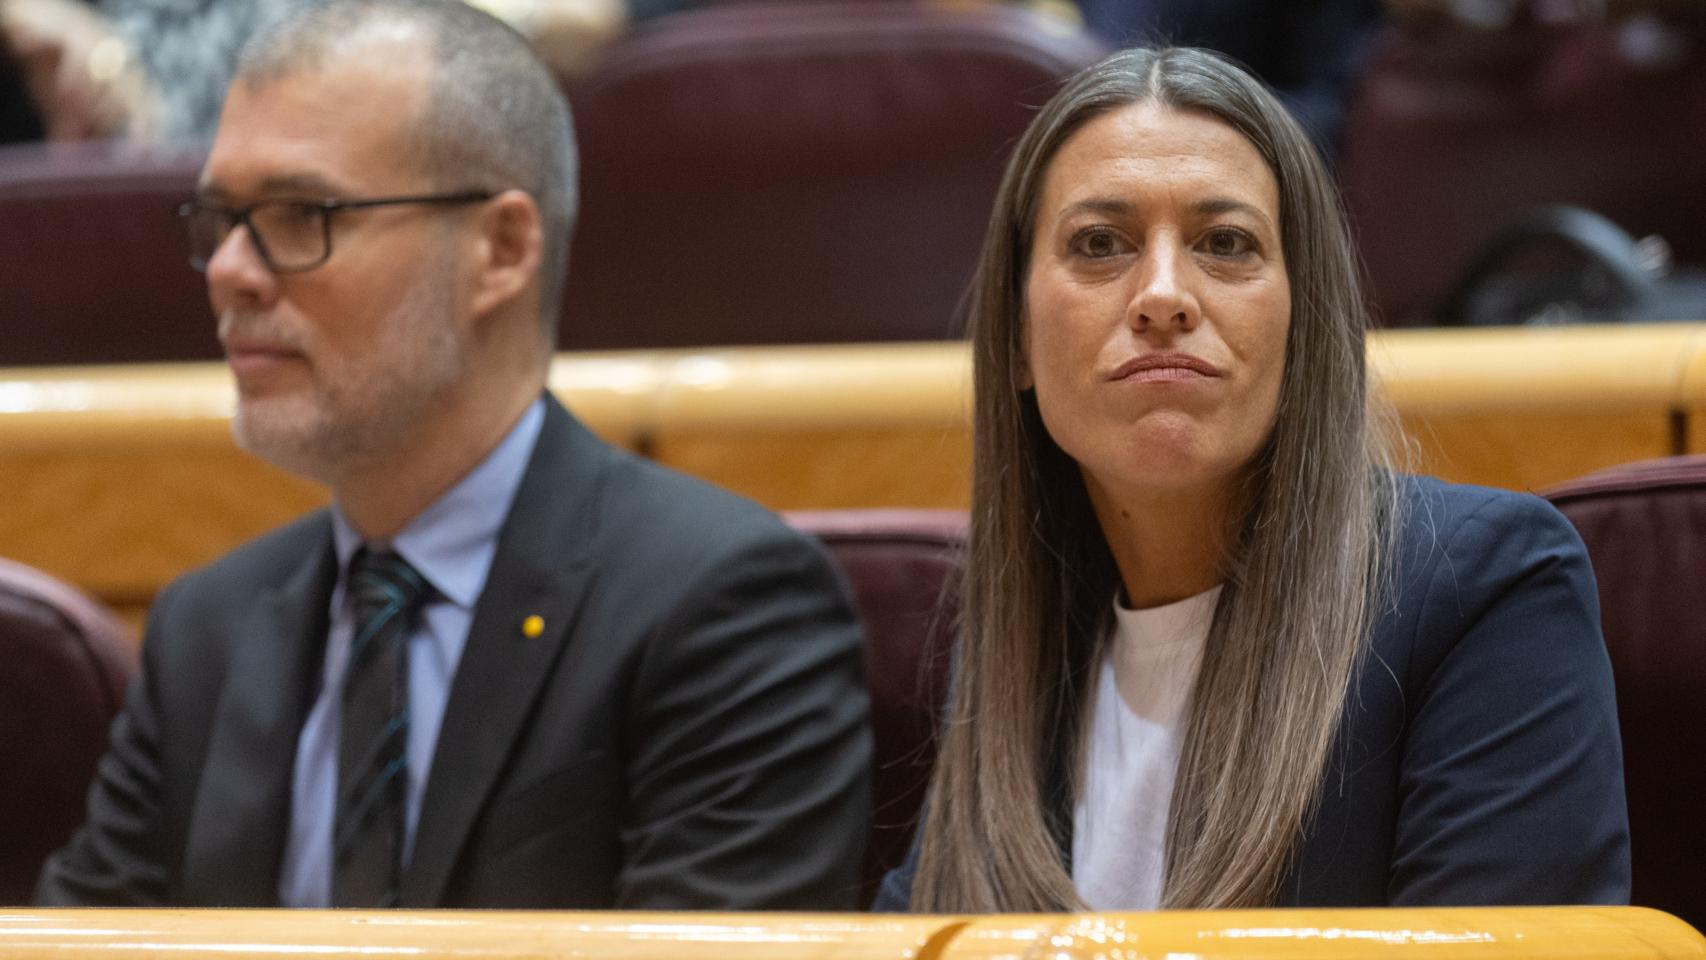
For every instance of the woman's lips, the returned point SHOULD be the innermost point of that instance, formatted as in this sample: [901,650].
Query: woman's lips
[1164,368]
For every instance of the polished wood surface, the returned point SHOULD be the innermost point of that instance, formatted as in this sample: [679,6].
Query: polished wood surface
[1606,933]
[1632,368]
[822,428]
[1693,392]
[1485,933]
[1528,407]
[120,478]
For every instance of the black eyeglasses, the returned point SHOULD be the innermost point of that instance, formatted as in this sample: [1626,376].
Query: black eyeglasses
[290,235]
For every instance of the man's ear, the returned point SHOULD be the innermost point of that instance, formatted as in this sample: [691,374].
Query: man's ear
[509,245]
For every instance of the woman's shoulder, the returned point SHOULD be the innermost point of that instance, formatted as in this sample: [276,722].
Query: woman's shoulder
[1463,553]
[1441,521]
[1438,503]
[1490,692]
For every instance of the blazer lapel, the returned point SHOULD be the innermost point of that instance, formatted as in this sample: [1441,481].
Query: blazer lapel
[242,809]
[540,570]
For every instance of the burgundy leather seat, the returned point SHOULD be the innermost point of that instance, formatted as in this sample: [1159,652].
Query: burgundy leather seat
[798,172]
[903,566]
[1452,134]
[1645,527]
[92,266]
[64,664]
[770,173]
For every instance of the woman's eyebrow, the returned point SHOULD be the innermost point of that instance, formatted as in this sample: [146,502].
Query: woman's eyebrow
[1215,206]
[1111,206]
[1208,207]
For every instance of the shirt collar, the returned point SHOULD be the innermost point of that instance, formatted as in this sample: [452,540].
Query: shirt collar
[450,543]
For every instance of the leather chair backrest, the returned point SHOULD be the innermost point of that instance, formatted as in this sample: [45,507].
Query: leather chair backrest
[903,567]
[1451,134]
[92,264]
[1645,528]
[798,172]
[770,173]
[64,664]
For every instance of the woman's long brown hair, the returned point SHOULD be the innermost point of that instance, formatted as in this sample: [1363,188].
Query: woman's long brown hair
[1301,582]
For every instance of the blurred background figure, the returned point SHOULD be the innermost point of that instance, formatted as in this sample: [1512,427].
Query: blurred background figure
[1307,50]
[18,118]
[156,70]
[79,74]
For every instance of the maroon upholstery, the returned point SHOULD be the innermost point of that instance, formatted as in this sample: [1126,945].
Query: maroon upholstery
[1454,133]
[798,173]
[772,173]
[903,566]
[64,663]
[92,266]
[1645,528]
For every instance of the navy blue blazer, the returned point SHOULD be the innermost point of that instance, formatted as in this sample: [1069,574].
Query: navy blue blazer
[1478,759]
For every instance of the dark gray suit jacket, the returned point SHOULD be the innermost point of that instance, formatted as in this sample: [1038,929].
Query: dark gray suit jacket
[689,732]
[1478,759]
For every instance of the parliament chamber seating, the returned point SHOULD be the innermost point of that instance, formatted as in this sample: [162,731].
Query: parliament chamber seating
[903,568]
[772,173]
[1452,133]
[64,663]
[798,172]
[1645,527]
[91,257]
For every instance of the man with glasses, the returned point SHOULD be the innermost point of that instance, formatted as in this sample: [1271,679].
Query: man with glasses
[510,666]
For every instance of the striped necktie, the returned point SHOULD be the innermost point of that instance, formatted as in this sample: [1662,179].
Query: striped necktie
[367,841]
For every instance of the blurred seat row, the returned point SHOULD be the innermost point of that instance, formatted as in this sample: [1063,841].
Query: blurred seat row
[767,173]
[813,172]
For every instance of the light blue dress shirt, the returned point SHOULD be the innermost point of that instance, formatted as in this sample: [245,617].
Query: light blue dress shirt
[451,544]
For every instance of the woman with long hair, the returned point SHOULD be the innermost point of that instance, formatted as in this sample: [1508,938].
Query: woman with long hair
[1216,650]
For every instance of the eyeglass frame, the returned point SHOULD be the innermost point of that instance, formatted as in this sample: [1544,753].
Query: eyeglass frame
[240,217]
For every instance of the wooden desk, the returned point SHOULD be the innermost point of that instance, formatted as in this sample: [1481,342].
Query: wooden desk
[1526,408]
[120,478]
[1605,933]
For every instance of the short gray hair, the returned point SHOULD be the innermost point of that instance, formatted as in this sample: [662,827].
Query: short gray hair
[494,115]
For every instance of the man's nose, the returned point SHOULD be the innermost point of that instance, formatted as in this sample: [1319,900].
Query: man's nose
[1165,297]
[236,274]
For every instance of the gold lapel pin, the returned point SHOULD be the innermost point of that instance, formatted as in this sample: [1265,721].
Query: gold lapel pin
[533,626]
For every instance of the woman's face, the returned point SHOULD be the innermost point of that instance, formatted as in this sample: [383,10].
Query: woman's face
[1157,302]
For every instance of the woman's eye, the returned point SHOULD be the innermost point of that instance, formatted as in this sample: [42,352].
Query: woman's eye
[1229,243]
[1097,244]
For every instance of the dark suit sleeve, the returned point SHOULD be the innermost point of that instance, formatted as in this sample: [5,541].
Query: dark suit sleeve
[748,777]
[115,858]
[1511,782]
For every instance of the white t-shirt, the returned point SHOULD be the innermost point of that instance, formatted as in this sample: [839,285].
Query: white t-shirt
[1132,751]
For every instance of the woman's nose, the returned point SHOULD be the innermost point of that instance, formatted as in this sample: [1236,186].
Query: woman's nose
[1164,298]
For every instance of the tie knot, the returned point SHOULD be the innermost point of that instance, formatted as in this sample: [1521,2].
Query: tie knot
[382,585]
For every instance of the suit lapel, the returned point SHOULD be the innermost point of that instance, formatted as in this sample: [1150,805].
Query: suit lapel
[242,808]
[540,570]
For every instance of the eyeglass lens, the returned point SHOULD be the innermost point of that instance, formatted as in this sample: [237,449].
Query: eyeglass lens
[290,236]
